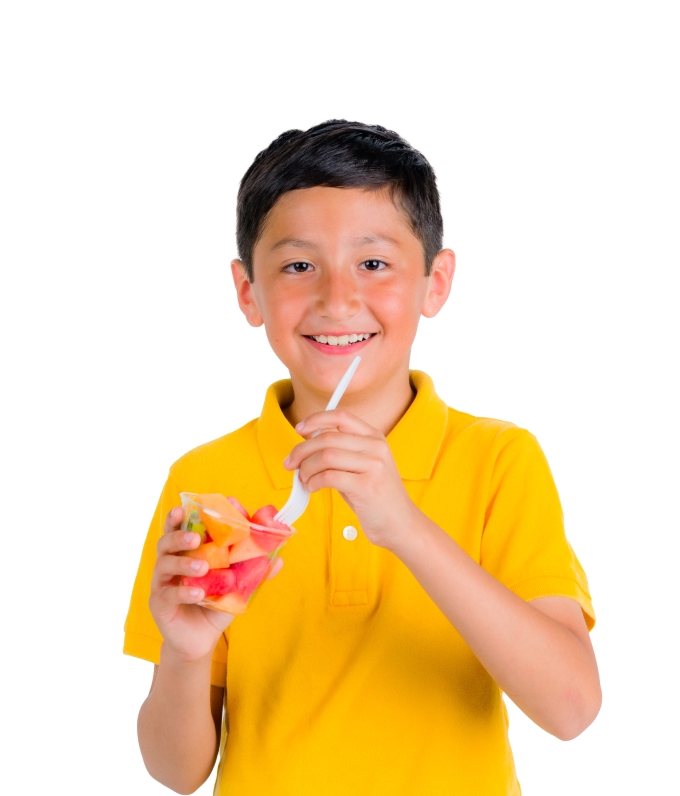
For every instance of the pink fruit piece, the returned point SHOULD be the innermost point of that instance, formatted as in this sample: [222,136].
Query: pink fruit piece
[265,517]
[216,581]
[248,574]
[235,503]
[267,542]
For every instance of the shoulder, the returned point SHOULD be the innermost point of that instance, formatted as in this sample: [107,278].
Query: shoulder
[236,448]
[488,445]
[486,432]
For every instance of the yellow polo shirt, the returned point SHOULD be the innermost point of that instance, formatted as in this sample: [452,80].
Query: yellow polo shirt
[344,677]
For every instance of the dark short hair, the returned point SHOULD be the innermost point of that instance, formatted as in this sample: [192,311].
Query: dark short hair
[339,154]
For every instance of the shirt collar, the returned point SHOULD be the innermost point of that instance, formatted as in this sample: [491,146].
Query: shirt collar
[414,441]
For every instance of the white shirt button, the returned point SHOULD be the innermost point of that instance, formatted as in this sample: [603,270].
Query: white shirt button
[350,533]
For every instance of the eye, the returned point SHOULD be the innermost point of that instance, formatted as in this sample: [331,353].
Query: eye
[374,265]
[298,268]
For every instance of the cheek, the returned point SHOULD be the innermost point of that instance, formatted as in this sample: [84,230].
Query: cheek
[399,307]
[281,311]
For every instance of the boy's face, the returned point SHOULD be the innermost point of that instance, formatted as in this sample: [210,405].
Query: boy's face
[338,263]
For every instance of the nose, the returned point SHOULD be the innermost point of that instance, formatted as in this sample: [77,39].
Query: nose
[338,297]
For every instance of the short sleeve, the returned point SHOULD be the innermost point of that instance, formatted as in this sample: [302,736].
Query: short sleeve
[524,544]
[142,637]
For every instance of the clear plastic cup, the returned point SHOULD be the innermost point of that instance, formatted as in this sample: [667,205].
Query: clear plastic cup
[240,554]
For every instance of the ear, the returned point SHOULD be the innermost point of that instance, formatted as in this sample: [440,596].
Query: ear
[244,294]
[441,276]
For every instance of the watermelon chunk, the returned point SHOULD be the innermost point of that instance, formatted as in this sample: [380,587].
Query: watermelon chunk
[243,577]
[216,581]
[248,575]
[238,507]
[267,542]
[265,517]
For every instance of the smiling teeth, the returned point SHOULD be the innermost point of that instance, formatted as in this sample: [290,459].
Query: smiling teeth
[344,339]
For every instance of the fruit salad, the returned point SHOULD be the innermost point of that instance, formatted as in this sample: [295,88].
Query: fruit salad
[240,549]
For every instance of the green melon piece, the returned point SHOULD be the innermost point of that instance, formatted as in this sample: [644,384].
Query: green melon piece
[195,525]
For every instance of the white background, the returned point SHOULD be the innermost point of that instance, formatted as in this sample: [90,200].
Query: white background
[126,128]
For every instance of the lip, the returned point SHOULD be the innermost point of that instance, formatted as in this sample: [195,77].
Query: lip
[337,350]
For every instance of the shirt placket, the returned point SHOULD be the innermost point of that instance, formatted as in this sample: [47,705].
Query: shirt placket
[349,555]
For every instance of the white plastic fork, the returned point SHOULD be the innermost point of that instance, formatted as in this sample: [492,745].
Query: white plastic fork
[299,497]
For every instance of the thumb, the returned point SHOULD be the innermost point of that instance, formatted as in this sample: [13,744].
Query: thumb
[275,569]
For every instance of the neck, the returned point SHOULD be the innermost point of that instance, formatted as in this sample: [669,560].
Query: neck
[380,406]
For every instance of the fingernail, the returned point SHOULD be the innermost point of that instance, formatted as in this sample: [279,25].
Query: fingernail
[195,592]
[196,564]
[300,426]
[286,461]
[189,537]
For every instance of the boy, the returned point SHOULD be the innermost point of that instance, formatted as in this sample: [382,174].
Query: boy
[430,572]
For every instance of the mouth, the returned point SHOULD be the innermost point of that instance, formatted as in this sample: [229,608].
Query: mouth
[340,344]
[341,340]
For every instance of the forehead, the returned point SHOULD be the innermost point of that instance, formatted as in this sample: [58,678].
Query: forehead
[323,215]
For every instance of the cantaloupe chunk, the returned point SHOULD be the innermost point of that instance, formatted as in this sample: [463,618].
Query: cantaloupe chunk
[242,551]
[218,502]
[216,556]
[231,603]
[221,528]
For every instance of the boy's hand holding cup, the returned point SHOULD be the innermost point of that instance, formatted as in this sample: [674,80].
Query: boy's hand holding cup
[189,631]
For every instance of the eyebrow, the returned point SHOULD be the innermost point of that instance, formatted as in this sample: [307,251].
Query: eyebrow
[362,240]
[297,243]
[374,237]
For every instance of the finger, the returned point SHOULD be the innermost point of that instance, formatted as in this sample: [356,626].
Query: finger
[275,569]
[334,459]
[173,519]
[169,567]
[340,480]
[171,596]
[330,439]
[176,541]
[339,419]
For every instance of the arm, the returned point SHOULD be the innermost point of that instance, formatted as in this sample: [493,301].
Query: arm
[179,724]
[539,653]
